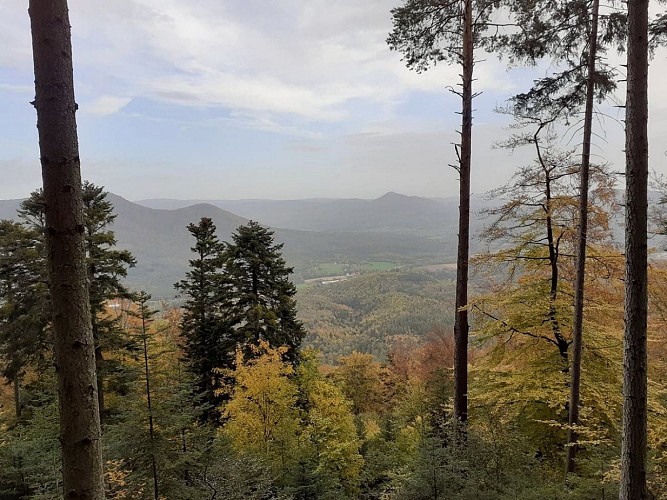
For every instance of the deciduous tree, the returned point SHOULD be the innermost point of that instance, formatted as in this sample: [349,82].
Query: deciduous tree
[262,417]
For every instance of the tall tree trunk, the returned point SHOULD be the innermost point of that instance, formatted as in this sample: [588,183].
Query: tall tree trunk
[461,313]
[582,237]
[99,363]
[99,355]
[17,395]
[149,404]
[633,450]
[73,346]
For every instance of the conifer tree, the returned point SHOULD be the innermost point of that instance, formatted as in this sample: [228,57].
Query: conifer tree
[24,305]
[209,345]
[146,315]
[428,32]
[105,267]
[560,31]
[237,294]
[260,301]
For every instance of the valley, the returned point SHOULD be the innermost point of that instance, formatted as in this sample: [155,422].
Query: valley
[367,271]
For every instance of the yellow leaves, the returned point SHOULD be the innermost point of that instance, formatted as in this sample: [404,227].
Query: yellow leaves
[265,421]
[370,426]
[331,430]
[262,417]
[116,475]
[360,377]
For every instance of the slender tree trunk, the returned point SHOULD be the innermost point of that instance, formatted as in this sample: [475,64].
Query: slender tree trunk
[461,313]
[148,402]
[99,362]
[73,345]
[633,450]
[17,396]
[582,237]
[552,244]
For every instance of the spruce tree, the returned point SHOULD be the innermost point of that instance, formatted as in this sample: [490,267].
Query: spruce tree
[237,294]
[209,345]
[24,304]
[105,267]
[260,303]
[146,316]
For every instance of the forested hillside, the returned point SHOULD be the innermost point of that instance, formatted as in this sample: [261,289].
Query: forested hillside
[375,373]
[371,312]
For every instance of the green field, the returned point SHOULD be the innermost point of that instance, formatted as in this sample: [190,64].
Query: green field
[370,267]
[325,269]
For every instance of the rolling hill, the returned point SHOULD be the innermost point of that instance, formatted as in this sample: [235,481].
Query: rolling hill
[159,239]
[392,212]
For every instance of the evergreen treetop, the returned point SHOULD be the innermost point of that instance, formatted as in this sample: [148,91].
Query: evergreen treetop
[261,295]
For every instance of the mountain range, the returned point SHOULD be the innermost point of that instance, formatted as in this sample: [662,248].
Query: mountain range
[392,212]
[394,227]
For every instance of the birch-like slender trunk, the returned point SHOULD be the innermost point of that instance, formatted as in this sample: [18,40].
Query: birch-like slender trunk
[582,238]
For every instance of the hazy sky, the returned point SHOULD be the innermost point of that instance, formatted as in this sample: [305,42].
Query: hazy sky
[263,99]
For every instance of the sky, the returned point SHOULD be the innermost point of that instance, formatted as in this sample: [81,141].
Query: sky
[279,99]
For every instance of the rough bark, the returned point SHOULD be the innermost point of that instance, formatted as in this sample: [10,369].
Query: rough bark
[461,317]
[582,237]
[73,345]
[633,450]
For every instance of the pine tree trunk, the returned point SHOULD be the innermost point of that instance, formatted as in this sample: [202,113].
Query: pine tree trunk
[73,346]
[461,314]
[582,237]
[633,450]
[149,405]
[99,362]
[17,396]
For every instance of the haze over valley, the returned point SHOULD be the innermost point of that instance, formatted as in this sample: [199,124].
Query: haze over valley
[322,237]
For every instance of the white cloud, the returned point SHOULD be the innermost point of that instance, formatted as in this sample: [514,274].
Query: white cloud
[19,89]
[306,59]
[294,67]
[105,105]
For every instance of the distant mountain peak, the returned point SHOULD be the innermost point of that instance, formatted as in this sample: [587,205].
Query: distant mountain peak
[393,195]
